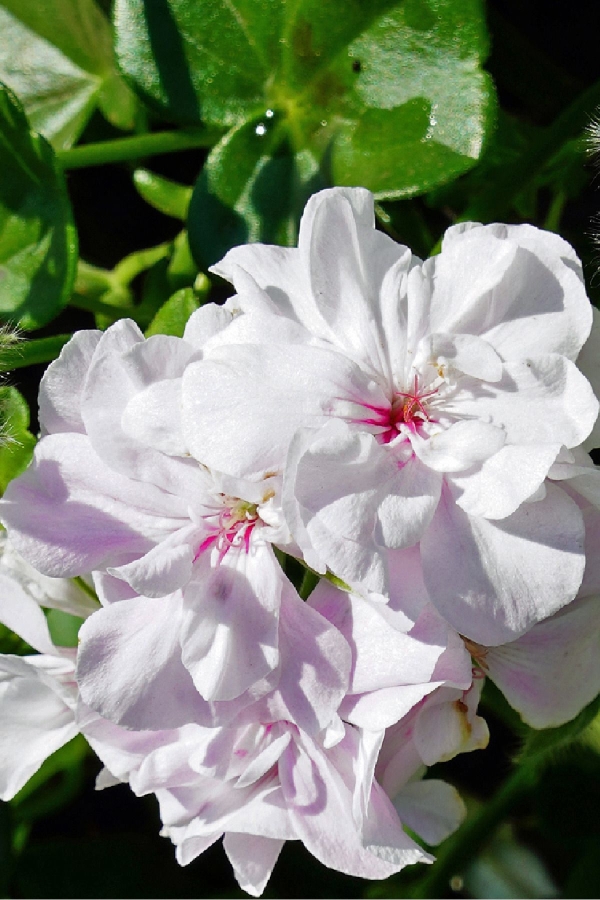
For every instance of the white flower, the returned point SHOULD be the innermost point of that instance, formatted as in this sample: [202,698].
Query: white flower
[409,402]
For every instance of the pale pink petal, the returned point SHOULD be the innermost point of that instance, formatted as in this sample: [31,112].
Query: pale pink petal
[326,825]
[383,654]
[384,707]
[229,630]
[314,669]
[129,665]
[69,513]
[164,568]
[63,382]
[54,593]
[384,836]
[431,808]
[252,859]
[493,580]
[553,671]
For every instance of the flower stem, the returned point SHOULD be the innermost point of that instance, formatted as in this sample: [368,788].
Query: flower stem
[462,848]
[493,201]
[136,146]
[29,353]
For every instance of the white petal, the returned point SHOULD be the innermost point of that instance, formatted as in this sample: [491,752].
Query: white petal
[459,447]
[497,488]
[36,721]
[347,259]
[448,725]
[21,613]
[242,406]
[588,362]
[205,323]
[123,366]
[468,354]
[540,400]
[333,483]
[410,501]
[153,416]
[529,294]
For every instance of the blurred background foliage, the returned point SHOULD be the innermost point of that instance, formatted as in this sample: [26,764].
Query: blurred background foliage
[172,130]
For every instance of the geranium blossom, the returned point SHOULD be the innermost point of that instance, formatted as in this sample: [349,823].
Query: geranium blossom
[260,783]
[409,402]
[113,489]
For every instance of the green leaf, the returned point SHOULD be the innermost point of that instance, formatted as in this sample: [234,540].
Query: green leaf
[16,441]
[251,188]
[387,94]
[167,196]
[57,56]
[541,745]
[38,241]
[173,315]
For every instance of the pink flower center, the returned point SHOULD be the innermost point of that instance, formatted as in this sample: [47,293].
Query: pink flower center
[232,527]
[406,408]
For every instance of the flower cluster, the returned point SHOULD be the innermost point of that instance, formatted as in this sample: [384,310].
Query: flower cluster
[413,432]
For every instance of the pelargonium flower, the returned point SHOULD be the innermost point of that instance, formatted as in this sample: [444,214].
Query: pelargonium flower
[259,783]
[113,489]
[409,403]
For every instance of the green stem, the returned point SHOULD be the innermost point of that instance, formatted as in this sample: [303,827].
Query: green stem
[84,586]
[492,202]
[552,222]
[29,353]
[99,307]
[138,261]
[136,147]
[309,583]
[462,848]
